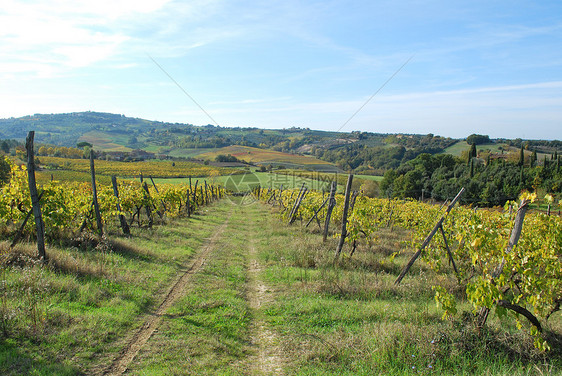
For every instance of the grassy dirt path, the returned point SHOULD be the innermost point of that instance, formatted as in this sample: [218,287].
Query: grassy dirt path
[175,291]
[268,358]
[218,326]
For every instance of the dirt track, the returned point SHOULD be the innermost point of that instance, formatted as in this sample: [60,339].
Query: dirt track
[175,291]
[268,360]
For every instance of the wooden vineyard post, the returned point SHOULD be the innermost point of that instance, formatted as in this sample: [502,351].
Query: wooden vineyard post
[36,207]
[122,220]
[206,194]
[147,206]
[195,192]
[145,186]
[315,215]
[448,249]
[353,199]
[344,219]
[22,227]
[331,204]
[158,192]
[294,216]
[513,240]
[95,194]
[188,201]
[428,239]
[300,196]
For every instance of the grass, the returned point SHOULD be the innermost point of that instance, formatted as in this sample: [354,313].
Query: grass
[371,177]
[71,316]
[462,146]
[457,149]
[206,332]
[352,320]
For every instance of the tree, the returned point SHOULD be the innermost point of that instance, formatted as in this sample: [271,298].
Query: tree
[477,139]
[521,157]
[5,147]
[5,169]
[472,153]
[86,153]
[84,144]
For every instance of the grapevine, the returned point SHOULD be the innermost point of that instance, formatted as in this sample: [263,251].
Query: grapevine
[531,278]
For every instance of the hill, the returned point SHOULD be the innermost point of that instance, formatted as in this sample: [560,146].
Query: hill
[303,148]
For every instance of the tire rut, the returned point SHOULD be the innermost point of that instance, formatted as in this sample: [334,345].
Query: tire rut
[176,291]
[268,360]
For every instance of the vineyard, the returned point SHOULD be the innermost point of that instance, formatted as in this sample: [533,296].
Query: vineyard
[160,169]
[494,268]
[68,210]
[151,278]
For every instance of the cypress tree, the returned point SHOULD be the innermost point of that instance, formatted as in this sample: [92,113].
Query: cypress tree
[521,156]
[534,158]
[471,153]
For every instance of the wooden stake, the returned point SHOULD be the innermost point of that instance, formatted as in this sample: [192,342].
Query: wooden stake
[448,249]
[316,213]
[122,220]
[147,206]
[188,203]
[158,192]
[331,204]
[298,204]
[301,191]
[22,227]
[36,207]
[195,192]
[95,194]
[344,219]
[428,239]
[513,240]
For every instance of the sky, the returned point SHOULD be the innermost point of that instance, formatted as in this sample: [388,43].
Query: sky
[447,67]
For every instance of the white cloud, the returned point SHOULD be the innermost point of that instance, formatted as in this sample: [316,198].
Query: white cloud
[59,34]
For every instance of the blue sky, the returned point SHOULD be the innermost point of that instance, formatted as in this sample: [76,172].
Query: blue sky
[490,67]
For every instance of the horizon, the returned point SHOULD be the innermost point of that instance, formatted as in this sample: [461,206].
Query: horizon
[278,129]
[477,68]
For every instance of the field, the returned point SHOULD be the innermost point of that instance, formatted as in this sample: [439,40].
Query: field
[462,146]
[275,158]
[370,177]
[103,141]
[154,168]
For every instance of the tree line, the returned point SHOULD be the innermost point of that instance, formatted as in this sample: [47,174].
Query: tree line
[490,183]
